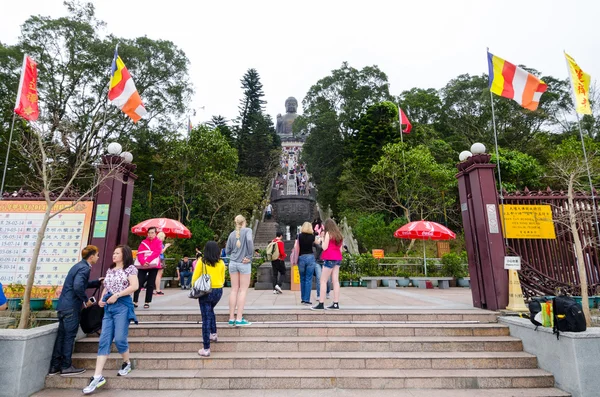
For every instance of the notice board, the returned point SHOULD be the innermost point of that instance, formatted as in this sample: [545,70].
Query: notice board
[65,236]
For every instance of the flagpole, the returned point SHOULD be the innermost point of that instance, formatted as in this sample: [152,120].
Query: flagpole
[401,136]
[498,166]
[587,164]
[12,127]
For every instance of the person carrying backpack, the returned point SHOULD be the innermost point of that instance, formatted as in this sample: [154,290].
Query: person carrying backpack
[276,254]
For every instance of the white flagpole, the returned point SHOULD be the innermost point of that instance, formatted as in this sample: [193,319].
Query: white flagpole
[498,162]
[12,127]
[587,164]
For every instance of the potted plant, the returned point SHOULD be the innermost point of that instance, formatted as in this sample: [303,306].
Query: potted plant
[453,266]
[344,279]
[405,281]
[389,272]
[14,296]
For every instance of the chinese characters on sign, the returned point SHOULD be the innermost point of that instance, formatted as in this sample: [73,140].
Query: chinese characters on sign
[528,221]
[64,237]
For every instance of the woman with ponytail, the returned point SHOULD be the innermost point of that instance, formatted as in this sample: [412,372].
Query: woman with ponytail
[240,249]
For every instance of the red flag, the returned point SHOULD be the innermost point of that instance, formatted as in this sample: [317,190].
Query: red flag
[404,121]
[27,97]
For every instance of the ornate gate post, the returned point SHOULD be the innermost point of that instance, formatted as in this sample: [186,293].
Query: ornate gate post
[112,209]
[483,234]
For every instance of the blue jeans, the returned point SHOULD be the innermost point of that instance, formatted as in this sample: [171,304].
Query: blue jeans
[207,310]
[68,324]
[115,325]
[318,272]
[306,267]
[182,276]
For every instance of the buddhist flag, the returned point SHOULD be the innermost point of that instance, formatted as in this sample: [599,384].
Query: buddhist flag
[26,105]
[580,81]
[515,83]
[190,125]
[122,92]
[404,121]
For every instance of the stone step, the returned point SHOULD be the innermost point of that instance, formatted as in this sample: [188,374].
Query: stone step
[317,344]
[305,314]
[521,392]
[315,379]
[323,329]
[316,360]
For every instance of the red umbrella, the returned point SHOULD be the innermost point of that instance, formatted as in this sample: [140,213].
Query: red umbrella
[170,227]
[424,230]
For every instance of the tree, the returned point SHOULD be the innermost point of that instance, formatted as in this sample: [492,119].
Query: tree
[570,168]
[74,63]
[519,170]
[377,127]
[54,178]
[348,92]
[405,183]
[222,124]
[256,136]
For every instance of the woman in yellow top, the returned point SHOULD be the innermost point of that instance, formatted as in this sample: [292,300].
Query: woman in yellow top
[215,268]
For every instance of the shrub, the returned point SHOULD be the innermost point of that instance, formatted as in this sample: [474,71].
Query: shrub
[453,265]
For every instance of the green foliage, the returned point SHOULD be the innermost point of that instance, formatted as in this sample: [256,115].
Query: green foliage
[377,127]
[519,170]
[372,231]
[454,265]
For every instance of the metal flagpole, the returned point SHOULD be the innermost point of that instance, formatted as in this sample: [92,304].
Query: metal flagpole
[498,166]
[587,164]
[12,127]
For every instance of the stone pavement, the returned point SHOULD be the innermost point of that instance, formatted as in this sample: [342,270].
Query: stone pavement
[351,298]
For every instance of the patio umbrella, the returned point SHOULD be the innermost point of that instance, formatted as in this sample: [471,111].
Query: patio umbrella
[170,227]
[424,230]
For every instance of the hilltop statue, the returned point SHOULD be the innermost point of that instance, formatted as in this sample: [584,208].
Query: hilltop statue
[284,123]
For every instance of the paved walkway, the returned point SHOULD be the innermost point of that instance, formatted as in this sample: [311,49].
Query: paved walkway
[351,298]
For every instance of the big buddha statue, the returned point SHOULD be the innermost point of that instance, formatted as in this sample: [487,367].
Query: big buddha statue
[285,122]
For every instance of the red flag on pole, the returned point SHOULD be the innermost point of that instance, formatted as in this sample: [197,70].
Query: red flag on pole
[27,97]
[404,121]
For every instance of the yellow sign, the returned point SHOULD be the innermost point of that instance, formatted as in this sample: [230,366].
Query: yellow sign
[527,221]
[295,278]
[378,254]
[515,293]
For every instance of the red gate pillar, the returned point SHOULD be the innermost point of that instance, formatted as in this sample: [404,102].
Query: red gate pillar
[112,210]
[483,232]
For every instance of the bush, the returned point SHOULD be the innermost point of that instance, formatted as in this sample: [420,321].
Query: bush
[453,265]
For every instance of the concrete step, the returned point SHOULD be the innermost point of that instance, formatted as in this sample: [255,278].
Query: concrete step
[305,314]
[317,344]
[521,392]
[316,360]
[322,329]
[315,379]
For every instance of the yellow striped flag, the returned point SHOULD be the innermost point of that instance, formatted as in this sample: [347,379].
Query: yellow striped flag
[580,81]
[510,81]
[122,92]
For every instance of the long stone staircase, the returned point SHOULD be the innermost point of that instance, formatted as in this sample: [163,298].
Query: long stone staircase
[466,351]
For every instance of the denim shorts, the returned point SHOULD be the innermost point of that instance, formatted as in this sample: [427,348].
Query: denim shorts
[242,268]
[332,264]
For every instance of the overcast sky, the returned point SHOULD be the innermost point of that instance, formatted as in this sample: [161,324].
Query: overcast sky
[293,44]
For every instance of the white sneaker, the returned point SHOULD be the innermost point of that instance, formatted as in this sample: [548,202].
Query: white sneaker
[278,288]
[275,292]
[94,384]
[125,369]
[327,296]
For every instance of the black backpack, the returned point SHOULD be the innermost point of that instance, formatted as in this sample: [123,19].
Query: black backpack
[91,319]
[535,306]
[568,315]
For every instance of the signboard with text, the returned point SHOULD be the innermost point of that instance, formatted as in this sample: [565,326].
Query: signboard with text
[65,236]
[527,221]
